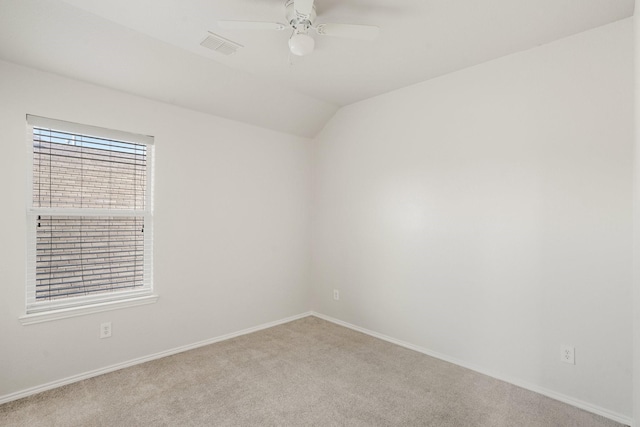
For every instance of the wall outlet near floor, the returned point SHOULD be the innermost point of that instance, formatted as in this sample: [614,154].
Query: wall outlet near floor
[336,294]
[105,330]
[568,354]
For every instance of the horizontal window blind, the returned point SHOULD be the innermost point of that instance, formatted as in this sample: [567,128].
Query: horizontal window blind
[90,216]
[88,255]
[77,171]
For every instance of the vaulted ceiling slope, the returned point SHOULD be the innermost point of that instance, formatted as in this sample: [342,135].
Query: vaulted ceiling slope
[53,36]
[152,48]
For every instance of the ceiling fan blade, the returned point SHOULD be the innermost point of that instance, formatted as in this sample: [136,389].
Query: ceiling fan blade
[350,31]
[303,7]
[249,25]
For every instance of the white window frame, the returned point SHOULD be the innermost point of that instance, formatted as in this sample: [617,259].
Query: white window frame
[42,311]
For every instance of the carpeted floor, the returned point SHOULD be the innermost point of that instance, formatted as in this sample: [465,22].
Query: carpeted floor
[305,373]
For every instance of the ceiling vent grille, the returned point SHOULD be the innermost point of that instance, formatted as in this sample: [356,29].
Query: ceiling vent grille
[220,44]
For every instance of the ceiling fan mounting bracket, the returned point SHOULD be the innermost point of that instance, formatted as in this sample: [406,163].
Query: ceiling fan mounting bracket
[297,20]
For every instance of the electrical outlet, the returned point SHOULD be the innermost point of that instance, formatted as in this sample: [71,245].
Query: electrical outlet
[336,294]
[568,354]
[105,330]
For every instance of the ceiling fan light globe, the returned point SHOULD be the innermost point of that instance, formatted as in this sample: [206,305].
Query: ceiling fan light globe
[301,44]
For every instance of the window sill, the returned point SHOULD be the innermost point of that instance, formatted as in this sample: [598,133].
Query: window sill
[48,316]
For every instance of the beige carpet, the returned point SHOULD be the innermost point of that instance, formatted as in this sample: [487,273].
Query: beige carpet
[303,373]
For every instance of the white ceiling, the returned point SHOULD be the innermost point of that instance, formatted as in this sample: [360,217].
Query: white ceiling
[152,48]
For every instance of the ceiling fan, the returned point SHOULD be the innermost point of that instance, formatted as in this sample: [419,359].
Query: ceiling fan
[300,17]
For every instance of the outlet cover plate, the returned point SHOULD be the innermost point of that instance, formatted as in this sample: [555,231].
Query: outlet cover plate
[568,354]
[105,330]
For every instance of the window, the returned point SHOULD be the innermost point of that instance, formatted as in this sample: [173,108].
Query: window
[90,218]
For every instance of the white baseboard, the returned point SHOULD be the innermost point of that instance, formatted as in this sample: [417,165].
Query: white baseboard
[515,381]
[139,360]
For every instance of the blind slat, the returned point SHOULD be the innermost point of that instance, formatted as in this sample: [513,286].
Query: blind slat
[89,290]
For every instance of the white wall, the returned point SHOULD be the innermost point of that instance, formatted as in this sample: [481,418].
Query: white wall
[486,215]
[231,230]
